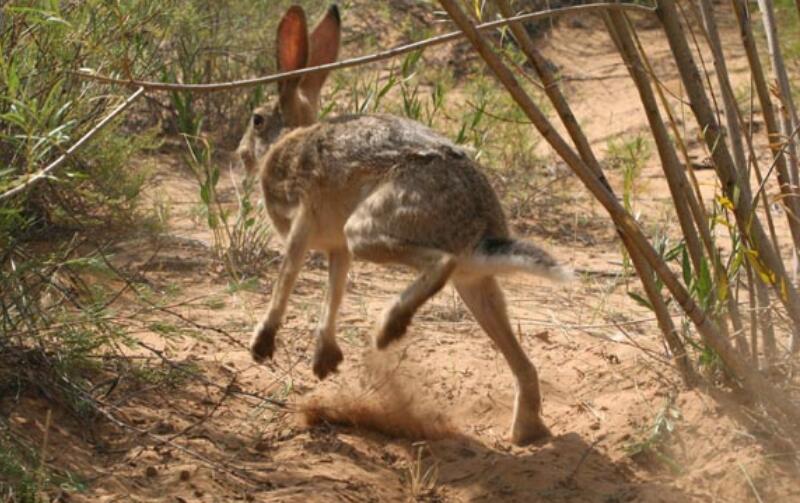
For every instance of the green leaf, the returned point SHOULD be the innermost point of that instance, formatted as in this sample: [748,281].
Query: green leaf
[673,253]
[737,261]
[461,137]
[410,63]
[390,83]
[686,267]
[12,80]
[640,300]
[704,282]
[213,221]
[205,194]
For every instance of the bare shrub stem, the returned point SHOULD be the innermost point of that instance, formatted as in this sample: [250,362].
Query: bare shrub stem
[581,142]
[753,383]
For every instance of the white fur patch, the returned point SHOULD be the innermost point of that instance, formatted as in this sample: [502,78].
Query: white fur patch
[507,264]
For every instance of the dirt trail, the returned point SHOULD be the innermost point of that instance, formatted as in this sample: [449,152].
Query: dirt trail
[222,441]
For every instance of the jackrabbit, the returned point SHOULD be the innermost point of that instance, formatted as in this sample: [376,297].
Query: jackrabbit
[388,190]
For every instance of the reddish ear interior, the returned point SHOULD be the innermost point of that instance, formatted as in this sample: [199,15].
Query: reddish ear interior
[324,41]
[292,43]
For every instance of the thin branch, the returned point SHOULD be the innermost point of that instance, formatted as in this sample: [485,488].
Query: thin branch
[753,383]
[361,60]
[44,173]
[772,166]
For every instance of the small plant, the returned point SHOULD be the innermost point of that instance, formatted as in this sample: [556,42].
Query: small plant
[629,155]
[24,477]
[421,480]
[18,478]
[470,130]
[414,105]
[241,241]
[655,442]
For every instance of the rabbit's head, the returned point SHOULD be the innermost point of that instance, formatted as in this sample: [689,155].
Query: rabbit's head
[298,99]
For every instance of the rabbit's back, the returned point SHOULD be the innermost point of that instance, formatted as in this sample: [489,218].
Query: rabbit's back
[431,187]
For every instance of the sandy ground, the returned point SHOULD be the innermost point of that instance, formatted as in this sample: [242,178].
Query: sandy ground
[604,375]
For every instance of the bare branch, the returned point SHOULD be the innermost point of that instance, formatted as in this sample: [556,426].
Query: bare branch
[361,60]
[754,383]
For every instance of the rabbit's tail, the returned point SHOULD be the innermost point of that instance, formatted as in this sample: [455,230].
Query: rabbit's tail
[503,256]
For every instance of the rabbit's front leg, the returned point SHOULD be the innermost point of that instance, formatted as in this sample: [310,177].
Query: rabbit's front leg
[262,345]
[327,355]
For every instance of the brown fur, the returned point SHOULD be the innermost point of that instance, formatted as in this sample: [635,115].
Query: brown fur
[384,189]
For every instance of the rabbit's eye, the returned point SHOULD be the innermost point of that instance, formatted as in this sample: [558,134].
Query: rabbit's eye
[258,120]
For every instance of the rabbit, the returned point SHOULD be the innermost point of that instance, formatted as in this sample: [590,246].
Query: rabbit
[384,189]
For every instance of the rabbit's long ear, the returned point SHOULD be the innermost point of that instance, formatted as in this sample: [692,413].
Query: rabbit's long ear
[292,48]
[324,49]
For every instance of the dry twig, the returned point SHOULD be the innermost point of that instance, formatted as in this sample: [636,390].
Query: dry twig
[361,60]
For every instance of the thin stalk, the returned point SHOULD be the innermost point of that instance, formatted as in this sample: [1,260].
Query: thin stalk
[754,321]
[762,292]
[749,225]
[733,121]
[788,110]
[562,108]
[765,321]
[788,190]
[699,211]
[621,30]
[752,382]
[728,99]
[673,172]
[361,60]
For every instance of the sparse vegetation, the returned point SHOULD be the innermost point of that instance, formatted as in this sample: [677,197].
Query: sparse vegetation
[421,479]
[241,242]
[658,442]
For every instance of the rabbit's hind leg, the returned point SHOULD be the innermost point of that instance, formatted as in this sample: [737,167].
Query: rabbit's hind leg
[484,298]
[435,268]
[398,316]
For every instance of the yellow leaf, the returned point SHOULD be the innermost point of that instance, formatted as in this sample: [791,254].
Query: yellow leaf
[721,221]
[476,5]
[723,288]
[725,202]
